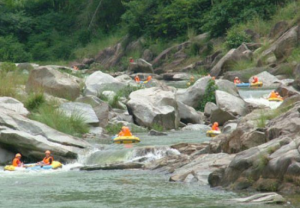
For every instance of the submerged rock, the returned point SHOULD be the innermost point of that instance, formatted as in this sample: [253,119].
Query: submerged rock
[157,133]
[265,198]
[113,167]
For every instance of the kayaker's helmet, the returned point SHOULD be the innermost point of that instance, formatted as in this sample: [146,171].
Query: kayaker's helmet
[216,123]
[236,78]
[18,155]
[277,93]
[48,152]
[123,127]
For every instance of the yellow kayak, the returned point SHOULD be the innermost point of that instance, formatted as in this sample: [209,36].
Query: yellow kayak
[257,84]
[275,99]
[126,140]
[53,166]
[212,133]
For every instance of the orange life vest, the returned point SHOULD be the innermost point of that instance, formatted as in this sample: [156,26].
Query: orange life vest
[48,161]
[255,80]
[149,78]
[273,95]
[137,79]
[215,128]
[16,162]
[237,81]
[125,132]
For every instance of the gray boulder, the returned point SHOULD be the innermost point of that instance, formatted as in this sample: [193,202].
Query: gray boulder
[188,114]
[100,107]
[154,106]
[54,82]
[232,104]
[209,107]
[81,110]
[234,55]
[98,82]
[13,105]
[32,138]
[192,95]
[221,116]
[140,66]
[227,86]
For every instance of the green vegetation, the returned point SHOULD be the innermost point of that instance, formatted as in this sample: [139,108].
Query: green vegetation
[242,65]
[157,127]
[43,30]
[235,38]
[209,95]
[35,101]
[51,116]
[263,161]
[113,129]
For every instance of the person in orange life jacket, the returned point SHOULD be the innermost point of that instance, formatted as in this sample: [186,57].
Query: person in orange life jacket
[237,80]
[149,78]
[48,159]
[131,60]
[255,80]
[273,95]
[125,132]
[137,79]
[215,127]
[17,161]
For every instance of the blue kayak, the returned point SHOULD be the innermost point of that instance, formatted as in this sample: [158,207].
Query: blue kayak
[243,85]
[46,167]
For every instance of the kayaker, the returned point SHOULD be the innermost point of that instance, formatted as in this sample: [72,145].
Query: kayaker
[48,159]
[215,127]
[125,132]
[137,79]
[17,161]
[237,80]
[278,95]
[131,60]
[149,78]
[273,95]
[254,79]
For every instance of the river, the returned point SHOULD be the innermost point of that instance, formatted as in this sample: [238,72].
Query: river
[124,188]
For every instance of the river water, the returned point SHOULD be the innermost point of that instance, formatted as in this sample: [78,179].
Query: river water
[123,188]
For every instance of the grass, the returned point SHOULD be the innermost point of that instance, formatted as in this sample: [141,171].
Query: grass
[262,120]
[157,127]
[35,101]
[97,45]
[10,83]
[52,117]
[263,161]
[295,56]
[113,129]
[242,65]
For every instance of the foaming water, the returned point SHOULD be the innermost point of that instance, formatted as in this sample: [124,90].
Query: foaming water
[263,102]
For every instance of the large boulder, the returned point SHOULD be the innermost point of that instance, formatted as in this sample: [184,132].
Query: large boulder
[14,105]
[154,106]
[98,82]
[53,82]
[227,86]
[100,107]
[221,116]
[193,95]
[209,108]
[234,55]
[267,78]
[188,114]
[80,110]
[110,57]
[232,104]
[31,138]
[141,66]
[278,29]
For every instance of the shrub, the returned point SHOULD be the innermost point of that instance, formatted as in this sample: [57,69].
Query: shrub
[12,50]
[235,38]
[157,127]
[209,96]
[34,101]
[73,125]
[8,67]
[113,129]
[9,83]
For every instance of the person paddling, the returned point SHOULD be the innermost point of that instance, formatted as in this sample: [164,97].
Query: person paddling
[125,132]
[17,161]
[48,159]
[255,80]
[137,79]
[215,127]
[237,80]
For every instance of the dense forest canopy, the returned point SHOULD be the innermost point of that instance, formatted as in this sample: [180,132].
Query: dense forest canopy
[45,30]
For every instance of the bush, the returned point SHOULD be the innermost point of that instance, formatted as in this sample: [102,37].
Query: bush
[49,115]
[35,101]
[235,38]
[9,83]
[8,67]
[157,127]
[12,50]
[209,96]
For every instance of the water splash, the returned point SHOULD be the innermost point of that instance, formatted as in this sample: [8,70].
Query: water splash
[263,102]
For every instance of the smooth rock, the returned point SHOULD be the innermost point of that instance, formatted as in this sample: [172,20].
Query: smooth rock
[156,133]
[188,114]
[54,82]
[209,107]
[13,105]
[82,110]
